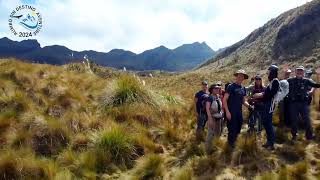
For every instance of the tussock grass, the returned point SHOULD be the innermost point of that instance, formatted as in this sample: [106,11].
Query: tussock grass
[299,171]
[115,146]
[191,149]
[171,134]
[15,101]
[15,166]
[64,174]
[80,142]
[50,140]
[246,150]
[128,90]
[283,173]
[293,153]
[184,173]
[150,167]
[145,144]
[54,124]
[263,166]
[19,138]
[267,176]
[226,153]
[282,135]
[205,165]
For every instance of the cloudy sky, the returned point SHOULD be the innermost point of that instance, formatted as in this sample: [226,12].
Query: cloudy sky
[138,25]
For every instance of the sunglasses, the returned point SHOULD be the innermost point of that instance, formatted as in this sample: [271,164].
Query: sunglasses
[258,79]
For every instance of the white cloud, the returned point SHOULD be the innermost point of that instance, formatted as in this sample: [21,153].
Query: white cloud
[143,24]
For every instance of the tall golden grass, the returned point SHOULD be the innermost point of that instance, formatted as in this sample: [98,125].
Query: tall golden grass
[65,123]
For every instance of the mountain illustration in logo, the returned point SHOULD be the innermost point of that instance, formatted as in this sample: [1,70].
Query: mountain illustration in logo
[29,22]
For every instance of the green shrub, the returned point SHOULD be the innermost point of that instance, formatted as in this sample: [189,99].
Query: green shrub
[128,90]
[116,146]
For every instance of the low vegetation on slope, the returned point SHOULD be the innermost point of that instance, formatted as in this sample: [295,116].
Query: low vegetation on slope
[292,36]
[70,123]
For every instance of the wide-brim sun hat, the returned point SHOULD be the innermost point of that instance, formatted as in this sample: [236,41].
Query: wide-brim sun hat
[243,72]
[300,68]
[219,83]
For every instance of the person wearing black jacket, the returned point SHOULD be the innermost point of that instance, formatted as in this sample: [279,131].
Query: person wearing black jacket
[299,102]
[234,98]
[256,114]
[267,97]
[199,97]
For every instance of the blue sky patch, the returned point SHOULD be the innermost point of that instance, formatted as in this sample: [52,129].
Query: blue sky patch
[28,1]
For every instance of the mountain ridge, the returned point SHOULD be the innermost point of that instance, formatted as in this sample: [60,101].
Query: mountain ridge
[293,36]
[182,58]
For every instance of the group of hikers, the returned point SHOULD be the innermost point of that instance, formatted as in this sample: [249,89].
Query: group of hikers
[215,105]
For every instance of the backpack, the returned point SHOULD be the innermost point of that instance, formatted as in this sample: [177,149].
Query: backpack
[283,91]
[216,109]
[203,100]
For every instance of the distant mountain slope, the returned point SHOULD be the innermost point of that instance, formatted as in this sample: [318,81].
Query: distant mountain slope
[292,36]
[182,58]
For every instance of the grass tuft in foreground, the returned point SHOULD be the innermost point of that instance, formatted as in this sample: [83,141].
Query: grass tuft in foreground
[114,146]
[150,167]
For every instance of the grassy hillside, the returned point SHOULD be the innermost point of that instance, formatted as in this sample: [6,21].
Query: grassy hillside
[72,122]
[291,37]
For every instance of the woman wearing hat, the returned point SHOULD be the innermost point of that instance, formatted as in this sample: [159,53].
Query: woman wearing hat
[214,111]
[255,116]
[233,99]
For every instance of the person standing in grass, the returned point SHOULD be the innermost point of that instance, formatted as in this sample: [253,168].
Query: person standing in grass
[233,99]
[255,116]
[199,100]
[284,116]
[268,99]
[299,102]
[215,115]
